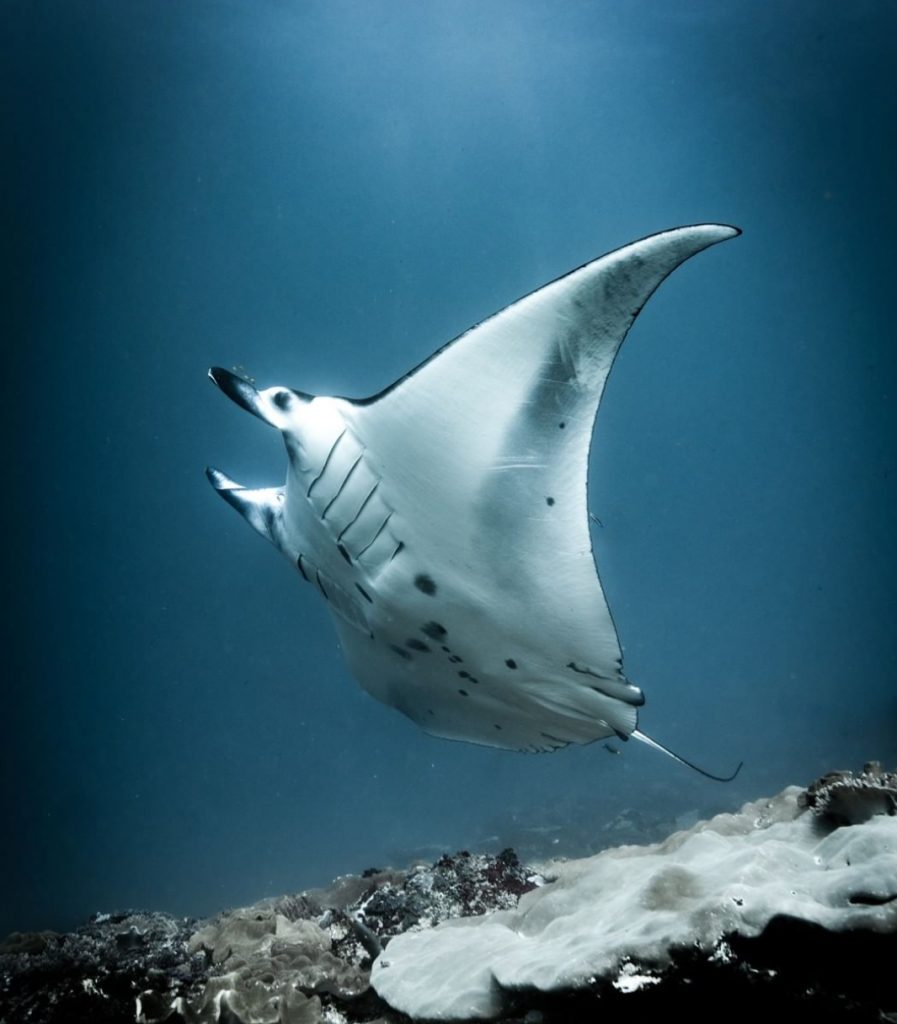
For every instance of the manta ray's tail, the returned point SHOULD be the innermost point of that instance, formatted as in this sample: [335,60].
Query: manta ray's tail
[639,735]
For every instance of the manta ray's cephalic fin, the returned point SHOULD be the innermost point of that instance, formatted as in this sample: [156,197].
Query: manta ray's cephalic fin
[259,507]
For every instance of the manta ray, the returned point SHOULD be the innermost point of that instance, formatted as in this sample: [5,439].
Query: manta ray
[445,523]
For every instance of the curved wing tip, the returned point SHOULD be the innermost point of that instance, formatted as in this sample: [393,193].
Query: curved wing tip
[719,232]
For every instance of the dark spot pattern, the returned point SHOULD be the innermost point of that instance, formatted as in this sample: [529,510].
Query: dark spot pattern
[510,663]
[434,631]
[425,584]
[463,674]
[464,693]
[561,425]
[549,501]
[364,593]
[447,650]
[417,645]
[497,727]
[455,660]
[402,653]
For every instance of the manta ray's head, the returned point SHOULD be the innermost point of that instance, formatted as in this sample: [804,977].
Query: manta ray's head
[308,423]
[282,407]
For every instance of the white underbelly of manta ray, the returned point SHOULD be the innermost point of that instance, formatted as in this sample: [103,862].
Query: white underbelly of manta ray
[445,520]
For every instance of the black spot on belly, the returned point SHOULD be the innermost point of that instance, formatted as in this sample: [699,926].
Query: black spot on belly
[464,675]
[402,653]
[464,693]
[433,630]
[447,650]
[510,663]
[549,501]
[416,645]
[455,660]
[425,584]
[364,593]
[497,727]
[561,425]
[430,711]
[344,553]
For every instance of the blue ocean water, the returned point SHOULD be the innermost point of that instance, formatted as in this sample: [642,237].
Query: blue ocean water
[323,193]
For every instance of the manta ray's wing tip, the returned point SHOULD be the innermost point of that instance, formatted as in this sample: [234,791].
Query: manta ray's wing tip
[729,230]
[713,232]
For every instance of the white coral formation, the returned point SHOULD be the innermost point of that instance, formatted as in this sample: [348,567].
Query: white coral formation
[638,904]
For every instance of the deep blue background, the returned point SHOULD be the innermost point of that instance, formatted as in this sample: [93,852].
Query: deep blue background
[324,192]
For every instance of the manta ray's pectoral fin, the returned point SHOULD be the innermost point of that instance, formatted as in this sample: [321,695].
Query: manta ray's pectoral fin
[260,507]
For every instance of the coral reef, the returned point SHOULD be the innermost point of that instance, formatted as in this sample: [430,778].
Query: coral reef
[842,798]
[790,904]
[627,916]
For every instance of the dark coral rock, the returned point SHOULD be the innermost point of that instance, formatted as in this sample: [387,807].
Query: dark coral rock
[455,886]
[844,798]
[95,973]
[302,958]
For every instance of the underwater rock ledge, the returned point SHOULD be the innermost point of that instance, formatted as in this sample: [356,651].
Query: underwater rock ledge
[789,904]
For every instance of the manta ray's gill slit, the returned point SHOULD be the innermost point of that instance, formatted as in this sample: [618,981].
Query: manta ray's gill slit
[321,584]
[342,550]
[342,486]
[301,569]
[361,509]
[364,593]
[333,448]
[376,535]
